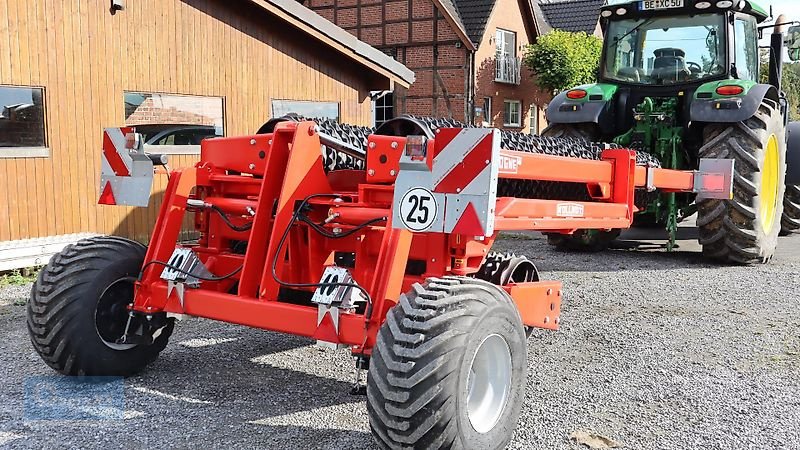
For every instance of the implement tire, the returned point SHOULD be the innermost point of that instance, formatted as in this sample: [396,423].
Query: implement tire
[449,368]
[745,230]
[790,222]
[81,296]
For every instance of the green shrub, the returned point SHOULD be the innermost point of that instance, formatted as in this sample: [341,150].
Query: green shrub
[562,60]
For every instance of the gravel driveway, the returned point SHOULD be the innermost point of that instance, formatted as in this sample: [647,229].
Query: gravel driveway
[655,351]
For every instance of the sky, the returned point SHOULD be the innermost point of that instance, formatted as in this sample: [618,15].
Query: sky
[789,7]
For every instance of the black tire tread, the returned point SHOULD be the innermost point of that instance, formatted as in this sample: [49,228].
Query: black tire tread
[790,222]
[54,305]
[407,405]
[728,228]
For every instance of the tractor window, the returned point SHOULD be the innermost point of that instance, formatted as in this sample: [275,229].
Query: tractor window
[746,44]
[669,50]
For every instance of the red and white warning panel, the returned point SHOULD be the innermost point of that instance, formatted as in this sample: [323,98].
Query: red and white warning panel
[127,172]
[457,193]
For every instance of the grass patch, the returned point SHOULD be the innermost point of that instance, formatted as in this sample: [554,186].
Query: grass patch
[18,277]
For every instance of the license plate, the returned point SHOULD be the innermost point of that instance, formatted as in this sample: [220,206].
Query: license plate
[661,4]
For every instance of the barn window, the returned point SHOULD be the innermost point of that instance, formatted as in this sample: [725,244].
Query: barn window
[174,124]
[22,127]
[308,109]
[382,107]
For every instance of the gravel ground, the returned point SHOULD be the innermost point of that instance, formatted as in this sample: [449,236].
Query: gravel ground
[656,351]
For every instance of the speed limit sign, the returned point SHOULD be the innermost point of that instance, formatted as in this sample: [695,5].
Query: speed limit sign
[418,209]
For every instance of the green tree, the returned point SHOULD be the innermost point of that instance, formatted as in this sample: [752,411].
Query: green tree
[561,59]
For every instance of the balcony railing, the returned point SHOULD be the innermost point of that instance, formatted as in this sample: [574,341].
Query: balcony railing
[507,70]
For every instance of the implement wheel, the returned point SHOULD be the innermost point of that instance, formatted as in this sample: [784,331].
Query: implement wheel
[449,368]
[745,229]
[79,307]
[790,223]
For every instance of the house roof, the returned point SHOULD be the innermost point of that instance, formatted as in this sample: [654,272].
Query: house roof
[451,13]
[475,14]
[572,15]
[321,29]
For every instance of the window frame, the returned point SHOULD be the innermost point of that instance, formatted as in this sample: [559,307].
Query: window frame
[744,19]
[36,151]
[506,122]
[500,50]
[378,102]
[533,120]
[192,149]
[338,106]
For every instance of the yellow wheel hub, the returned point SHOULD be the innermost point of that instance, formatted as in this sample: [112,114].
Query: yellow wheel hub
[769,184]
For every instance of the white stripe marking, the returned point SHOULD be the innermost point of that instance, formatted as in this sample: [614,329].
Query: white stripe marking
[197,343]
[455,152]
[118,139]
[480,184]
[170,396]
[7,436]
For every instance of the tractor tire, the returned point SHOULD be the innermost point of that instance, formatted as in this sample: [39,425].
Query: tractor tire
[745,230]
[78,307]
[790,222]
[448,369]
[581,240]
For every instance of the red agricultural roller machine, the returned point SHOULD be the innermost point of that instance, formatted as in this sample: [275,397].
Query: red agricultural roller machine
[380,243]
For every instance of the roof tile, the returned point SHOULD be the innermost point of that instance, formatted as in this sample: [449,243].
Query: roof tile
[572,15]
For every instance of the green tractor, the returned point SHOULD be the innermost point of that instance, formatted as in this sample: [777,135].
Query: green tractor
[679,79]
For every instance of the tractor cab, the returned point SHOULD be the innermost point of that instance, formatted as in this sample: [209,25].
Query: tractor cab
[680,43]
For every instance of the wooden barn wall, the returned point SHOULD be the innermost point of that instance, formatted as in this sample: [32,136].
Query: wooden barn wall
[85,58]
[416,34]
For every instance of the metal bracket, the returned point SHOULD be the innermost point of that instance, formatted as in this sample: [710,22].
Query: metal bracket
[327,333]
[180,288]
[126,173]
[714,179]
[651,175]
[184,266]
[344,297]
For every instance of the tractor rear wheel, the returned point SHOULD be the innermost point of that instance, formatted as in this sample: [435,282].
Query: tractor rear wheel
[581,240]
[79,307]
[745,229]
[790,223]
[448,369]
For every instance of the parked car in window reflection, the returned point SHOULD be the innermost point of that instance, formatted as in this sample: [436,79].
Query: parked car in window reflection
[177,134]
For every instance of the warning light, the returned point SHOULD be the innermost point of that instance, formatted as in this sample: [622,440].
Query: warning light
[416,147]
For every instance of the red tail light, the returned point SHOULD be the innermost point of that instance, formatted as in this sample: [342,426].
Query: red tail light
[730,90]
[576,94]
